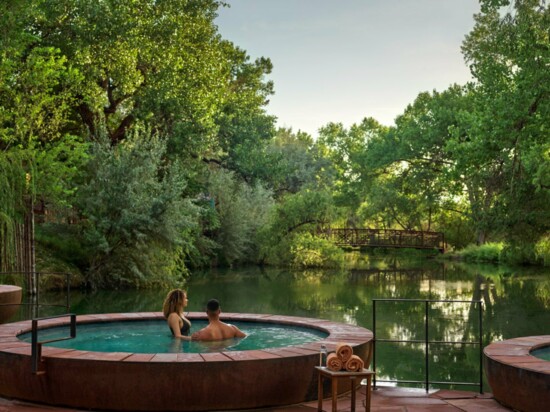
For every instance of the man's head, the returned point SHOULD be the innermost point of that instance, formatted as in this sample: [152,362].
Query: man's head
[213,308]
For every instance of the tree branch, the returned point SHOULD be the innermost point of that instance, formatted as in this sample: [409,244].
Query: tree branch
[293,228]
[120,132]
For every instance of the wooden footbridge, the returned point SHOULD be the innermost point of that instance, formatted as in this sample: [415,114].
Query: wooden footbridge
[385,238]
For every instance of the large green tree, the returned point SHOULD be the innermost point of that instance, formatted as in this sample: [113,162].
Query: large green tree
[414,177]
[75,71]
[38,157]
[136,228]
[508,52]
[346,149]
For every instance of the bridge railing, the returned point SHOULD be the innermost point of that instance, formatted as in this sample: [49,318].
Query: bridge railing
[385,238]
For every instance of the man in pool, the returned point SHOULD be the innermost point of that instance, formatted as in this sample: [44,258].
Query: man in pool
[216,329]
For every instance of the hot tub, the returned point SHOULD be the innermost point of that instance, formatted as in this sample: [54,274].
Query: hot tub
[172,381]
[518,379]
[10,298]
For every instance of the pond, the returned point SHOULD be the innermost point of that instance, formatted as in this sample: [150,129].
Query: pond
[516,302]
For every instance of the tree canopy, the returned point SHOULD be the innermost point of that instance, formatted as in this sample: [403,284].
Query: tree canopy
[143,138]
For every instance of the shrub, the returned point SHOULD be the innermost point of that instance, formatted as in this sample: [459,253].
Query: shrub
[308,251]
[518,253]
[136,221]
[241,210]
[542,250]
[488,252]
[303,212]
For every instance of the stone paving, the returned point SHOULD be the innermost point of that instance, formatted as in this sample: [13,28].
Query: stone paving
[384,399]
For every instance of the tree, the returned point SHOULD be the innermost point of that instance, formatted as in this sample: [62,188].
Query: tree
[161,63]
[39,158]
[296,163]
[242,210]
[135,222]
[508,52]
[346,150]
[294,215]
[414,176]
[244,127]
[75,71]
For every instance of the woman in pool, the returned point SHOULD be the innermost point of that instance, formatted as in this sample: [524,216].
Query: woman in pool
[173,306]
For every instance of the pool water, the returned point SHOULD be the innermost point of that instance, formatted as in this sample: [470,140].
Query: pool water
[542,353]
[154,336]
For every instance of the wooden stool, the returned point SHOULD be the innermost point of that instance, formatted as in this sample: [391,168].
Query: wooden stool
[334,377]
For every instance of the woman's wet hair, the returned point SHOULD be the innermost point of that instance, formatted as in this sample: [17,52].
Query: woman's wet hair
[174,302]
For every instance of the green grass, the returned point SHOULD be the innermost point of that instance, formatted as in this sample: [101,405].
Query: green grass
[489,252]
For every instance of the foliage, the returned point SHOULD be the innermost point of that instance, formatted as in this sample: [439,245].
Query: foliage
[488,252]
[87,88]
[542,250]
[459,229]
[304,212]
[13,189]
[296,163]
[347,151]
[72,73]
[39,160]
[414,183]
[475,155]
[135,222]
[159,63]
[241,211]
[244,127]
[508,52]
[519,253]
[309,251]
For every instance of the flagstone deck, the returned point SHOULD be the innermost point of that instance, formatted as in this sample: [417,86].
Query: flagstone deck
[384,399]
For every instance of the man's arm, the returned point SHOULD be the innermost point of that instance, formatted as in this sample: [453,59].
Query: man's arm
[238,333]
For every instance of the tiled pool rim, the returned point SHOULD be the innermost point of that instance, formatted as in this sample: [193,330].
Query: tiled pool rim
[518,379]
[172,381]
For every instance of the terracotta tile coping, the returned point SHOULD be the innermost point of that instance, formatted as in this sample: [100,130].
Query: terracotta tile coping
[517,353]
[9,288]
[337,332]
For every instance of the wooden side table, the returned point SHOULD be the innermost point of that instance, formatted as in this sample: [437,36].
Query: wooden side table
[334,377]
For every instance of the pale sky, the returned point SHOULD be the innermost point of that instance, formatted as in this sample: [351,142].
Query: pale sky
[343,60]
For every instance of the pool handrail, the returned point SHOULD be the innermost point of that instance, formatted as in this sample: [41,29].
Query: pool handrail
[36,346]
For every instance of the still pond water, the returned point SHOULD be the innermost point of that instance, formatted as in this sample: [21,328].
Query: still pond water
[516,302]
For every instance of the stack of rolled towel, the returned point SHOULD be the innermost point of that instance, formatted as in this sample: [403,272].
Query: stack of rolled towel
[344,359]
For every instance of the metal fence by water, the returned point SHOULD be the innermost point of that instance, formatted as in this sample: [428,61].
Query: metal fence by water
[428,342]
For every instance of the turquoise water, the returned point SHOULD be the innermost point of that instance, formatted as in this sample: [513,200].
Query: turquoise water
[154,337]
[543,353]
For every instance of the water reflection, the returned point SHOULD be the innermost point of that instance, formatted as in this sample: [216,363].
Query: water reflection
[516,303]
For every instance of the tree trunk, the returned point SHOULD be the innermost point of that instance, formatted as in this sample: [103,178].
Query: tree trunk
[481,237]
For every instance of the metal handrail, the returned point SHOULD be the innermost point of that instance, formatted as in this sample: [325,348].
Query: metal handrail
[427,342]
[36,346]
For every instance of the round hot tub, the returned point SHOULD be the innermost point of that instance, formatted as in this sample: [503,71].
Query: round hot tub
[10,299]
[517,378]
[228,378]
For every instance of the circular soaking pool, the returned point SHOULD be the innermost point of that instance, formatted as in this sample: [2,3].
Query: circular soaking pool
[153,336]
[542,353]
[122,379]
[518,377]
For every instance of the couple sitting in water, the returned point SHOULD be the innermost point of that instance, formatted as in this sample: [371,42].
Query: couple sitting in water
[180,326]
